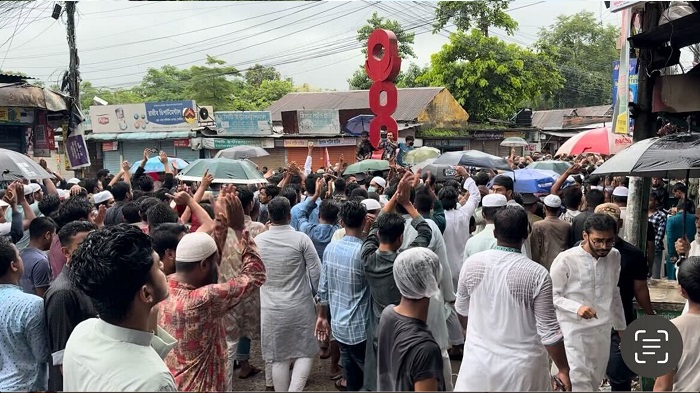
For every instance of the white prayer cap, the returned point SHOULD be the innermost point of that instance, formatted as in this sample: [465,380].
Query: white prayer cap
[371,204]
[494,200]
[416,273]
[552,201]
[601,188]
[102,196]
[3,203]
[63,194]
[380,181]
[321,171]
[195,247]
[621,191]
[74,180]
[31,188]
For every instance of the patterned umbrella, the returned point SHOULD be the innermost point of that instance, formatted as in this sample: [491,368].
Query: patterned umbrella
[551,165]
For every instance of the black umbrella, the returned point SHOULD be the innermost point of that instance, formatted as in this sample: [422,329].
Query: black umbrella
[14,165]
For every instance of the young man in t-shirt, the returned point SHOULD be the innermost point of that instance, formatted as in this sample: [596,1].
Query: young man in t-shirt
[408,357]
[685,377]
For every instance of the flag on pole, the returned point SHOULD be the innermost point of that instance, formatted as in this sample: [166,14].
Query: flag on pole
[327,158]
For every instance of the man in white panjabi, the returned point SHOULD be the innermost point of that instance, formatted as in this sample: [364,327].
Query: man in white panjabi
[505,303]
[587,300]
[485,240]
[689,249]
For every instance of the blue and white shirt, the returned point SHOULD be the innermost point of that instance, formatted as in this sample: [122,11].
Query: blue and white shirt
[24,344]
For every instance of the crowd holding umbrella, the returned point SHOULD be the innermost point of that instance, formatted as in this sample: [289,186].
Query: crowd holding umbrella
[154,165]
[224,170]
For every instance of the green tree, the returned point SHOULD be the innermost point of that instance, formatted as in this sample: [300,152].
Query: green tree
[481,14]
[256,74]
[584,50]
[112,96]
[359,79]
[211,84]
[491,78]
[165,84]
[412,77]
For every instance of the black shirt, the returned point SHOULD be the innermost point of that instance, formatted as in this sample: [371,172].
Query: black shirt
[64,307]
[634,268]
[577,227]
[406,353]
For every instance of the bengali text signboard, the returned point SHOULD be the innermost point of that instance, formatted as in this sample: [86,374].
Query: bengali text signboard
[144,117]
[243,123]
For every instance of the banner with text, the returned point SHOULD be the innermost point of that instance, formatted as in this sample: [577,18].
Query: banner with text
[225,143]
[14,115]
[243,123]
[329,142]
[320,121]
[144,117]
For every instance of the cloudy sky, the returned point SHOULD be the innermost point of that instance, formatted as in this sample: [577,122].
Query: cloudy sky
[311,42]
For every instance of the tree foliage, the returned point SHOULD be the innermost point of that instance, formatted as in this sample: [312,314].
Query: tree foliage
[489,77]
[480,14]
[584,50]
[215,83]
[359,79]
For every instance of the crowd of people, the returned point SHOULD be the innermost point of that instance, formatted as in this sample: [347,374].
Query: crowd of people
[141,282]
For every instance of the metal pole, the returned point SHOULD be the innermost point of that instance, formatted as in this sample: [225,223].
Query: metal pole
[636,220]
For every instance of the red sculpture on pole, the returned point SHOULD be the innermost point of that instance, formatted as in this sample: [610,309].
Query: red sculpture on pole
[383,65]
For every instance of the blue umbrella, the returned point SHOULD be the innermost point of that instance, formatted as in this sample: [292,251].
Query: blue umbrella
[154,165]
[532,181]
[357,124]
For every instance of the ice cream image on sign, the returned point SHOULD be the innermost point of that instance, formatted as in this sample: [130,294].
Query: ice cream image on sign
[120,118]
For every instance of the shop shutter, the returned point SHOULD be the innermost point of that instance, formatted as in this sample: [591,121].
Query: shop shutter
[491,147]
[133,150]
[111,160]
[11,138]
[186,153]
[275,160]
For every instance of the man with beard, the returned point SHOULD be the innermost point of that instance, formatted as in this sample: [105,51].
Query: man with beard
[194,313]
[118,269]
[588,302]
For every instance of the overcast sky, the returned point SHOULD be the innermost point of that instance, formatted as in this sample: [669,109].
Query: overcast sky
[311,42]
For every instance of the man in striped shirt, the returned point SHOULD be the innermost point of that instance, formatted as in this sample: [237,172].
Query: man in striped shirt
[343,288]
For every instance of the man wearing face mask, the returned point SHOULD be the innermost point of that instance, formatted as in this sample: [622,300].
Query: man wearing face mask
[377,184]
[194,288]
[587,300]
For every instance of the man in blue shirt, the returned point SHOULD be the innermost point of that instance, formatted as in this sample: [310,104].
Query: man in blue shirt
[321,233]
[23,339]
[310,186]
[343,287]
[403,149]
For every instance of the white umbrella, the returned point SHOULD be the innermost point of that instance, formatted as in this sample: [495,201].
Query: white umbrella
[14,165]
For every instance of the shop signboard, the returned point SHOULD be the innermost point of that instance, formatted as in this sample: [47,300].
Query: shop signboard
[320,121]
[110,146]
[181,143]
[243,123]
[225,143]
[619,5]
[325,142]
[144,117]
[13,115]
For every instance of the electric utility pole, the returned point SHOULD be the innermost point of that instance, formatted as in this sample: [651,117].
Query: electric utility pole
[73,78]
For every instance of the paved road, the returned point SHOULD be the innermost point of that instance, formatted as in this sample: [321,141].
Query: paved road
[318,380]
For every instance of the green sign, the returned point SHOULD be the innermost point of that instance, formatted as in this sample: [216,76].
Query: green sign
[225,143]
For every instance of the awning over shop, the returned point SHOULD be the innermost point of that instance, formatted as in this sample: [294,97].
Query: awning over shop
[24,95]
[138,136]
[561,134]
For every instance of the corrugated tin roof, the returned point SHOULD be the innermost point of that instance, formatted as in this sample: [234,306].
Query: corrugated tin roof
[554,119]
[412,101]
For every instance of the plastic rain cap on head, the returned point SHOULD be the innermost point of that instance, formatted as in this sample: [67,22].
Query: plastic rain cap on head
[416,273]
[74,180]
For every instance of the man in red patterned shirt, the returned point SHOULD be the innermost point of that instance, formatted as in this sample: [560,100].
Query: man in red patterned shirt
[194,312]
